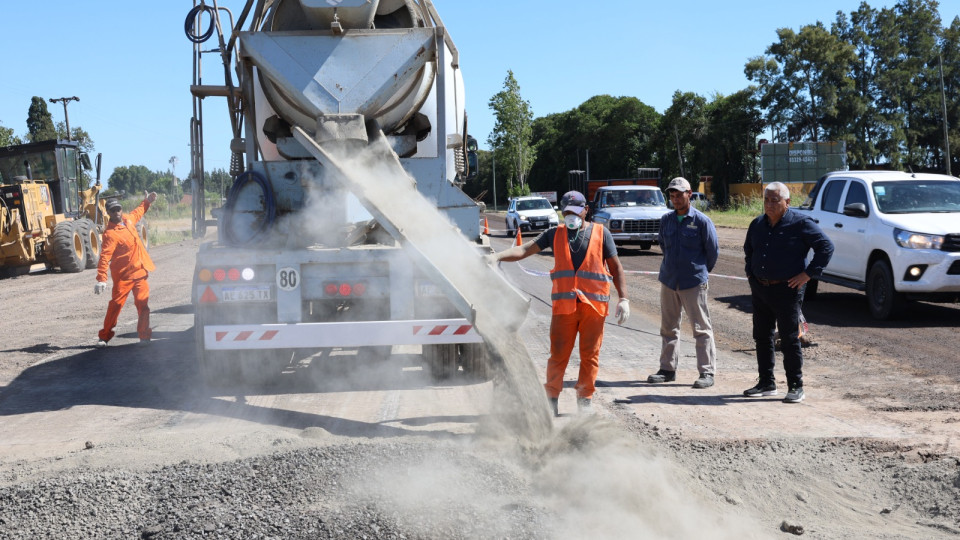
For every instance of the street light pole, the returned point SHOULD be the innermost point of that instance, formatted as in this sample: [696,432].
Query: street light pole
[66,117]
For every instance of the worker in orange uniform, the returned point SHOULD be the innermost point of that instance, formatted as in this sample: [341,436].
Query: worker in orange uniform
[124,253]
[585,263]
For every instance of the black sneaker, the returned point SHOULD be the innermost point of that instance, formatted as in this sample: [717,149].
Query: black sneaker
[662,376]
[705,381]
[794,395]
[763,388]
[555,406]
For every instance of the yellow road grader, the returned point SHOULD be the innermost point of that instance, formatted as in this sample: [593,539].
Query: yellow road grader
[45,218]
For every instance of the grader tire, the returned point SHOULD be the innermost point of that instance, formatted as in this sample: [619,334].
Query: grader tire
[68,247]
[91,242]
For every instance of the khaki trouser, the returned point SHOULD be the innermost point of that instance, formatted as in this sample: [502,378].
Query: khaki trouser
[563,333]
[694,302]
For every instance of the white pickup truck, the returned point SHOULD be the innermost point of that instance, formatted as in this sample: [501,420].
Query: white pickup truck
[896,236]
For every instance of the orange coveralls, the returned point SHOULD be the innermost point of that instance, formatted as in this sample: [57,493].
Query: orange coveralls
[579,306]
[124,253]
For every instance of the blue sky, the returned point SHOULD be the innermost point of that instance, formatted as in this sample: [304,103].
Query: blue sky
[130,63]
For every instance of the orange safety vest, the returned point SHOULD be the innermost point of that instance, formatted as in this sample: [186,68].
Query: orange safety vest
[590,283]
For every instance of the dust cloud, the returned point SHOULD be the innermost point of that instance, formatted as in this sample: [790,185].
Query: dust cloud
[378,180]
[588,479]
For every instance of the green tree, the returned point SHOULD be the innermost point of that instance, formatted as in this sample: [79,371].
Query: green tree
[134,179]
[7,137]
[39,121]
[950,46]
[726,148]
[617,132]
[858,122]
[512,135]
[681,129]
[907,48]
[802,79]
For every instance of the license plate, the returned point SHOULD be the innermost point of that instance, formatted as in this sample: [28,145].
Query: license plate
[245,294]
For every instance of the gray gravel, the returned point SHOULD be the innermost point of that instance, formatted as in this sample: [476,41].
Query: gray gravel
[311,493]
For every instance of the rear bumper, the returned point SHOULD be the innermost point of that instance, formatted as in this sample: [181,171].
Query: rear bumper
[339,334]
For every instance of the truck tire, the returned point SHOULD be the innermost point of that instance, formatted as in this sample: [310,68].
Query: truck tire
[68,247]
[510,232]
[91,242]
[475,361]
[440,360]
[645,245]
[885,302]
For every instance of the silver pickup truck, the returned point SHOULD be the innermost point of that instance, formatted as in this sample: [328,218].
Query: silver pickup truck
[631,213]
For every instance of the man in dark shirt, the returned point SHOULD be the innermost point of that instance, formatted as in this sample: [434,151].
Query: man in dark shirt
[775,252]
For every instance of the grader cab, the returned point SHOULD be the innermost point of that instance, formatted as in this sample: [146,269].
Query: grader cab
[44,216]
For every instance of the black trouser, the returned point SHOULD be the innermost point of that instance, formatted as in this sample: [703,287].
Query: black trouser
[774,306]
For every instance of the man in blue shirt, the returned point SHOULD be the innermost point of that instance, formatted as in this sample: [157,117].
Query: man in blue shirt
[775,251]
[688,240]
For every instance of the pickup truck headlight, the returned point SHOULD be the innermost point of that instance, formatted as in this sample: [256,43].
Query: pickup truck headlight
[912,240]
[524,218]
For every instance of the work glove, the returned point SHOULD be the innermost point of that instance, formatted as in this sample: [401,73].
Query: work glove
[99,287]
[623,311]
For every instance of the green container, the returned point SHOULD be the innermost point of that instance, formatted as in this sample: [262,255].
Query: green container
[801,161]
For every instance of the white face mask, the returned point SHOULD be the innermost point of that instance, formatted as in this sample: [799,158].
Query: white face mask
[572,222]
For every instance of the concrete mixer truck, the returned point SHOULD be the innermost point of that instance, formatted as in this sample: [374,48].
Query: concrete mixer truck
[345,228]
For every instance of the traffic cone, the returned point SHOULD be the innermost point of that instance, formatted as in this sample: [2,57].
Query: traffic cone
[519,237]
[486,227]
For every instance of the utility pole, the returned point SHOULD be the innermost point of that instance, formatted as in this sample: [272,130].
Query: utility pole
[676,136]
[494,155]
[946,130]
[66,117]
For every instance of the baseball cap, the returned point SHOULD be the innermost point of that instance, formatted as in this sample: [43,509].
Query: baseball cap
[113,203]
[573,201]
[679,183]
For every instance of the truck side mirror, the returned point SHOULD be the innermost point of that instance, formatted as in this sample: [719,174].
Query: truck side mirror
[473,167]
[857,209]
[85,161]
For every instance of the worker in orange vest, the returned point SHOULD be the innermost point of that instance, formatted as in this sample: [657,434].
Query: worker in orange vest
[585,263]
[123,252]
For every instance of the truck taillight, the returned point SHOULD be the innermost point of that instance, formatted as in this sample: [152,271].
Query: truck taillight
[344,289]
[207,275]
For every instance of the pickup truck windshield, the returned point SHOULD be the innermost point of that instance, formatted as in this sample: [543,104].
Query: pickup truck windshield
[917,196]
[644,197]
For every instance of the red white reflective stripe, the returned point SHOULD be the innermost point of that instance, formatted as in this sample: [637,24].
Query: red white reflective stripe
[341,334]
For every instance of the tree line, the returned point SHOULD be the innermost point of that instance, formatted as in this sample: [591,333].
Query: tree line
[884,81]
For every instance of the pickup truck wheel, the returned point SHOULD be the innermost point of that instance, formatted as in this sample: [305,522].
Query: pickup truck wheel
[645,245]
[884,300]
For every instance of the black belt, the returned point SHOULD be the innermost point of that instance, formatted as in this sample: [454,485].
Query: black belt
[768,282]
